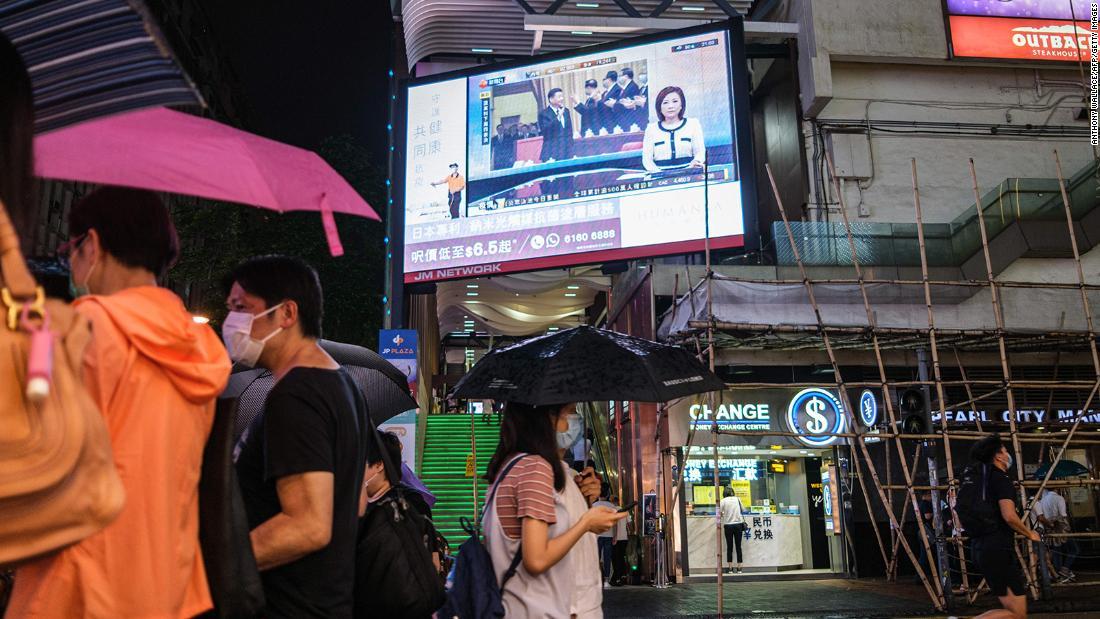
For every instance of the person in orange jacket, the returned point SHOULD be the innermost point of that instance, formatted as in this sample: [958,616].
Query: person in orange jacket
[154,373]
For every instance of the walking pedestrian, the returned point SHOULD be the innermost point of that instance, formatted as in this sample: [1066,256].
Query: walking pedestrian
[994,551]
[154,374]
[733,526]
[926,518]
[396,563]
[606,539]
[530,508]
[1050,512]
[301,461]
[579,495]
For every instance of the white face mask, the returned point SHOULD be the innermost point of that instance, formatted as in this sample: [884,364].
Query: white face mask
[237,335]
[569,438]
[366,486]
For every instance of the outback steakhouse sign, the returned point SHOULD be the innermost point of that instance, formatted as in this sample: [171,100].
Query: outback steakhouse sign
[1019,39]
[1034,30]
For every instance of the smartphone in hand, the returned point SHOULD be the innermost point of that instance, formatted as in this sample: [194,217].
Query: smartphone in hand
[629,506]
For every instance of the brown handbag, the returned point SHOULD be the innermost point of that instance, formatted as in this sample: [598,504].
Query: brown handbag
[58,482]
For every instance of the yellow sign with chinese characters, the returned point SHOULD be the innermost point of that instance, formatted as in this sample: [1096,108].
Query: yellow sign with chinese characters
[702,495]
[743,490]
[471,465]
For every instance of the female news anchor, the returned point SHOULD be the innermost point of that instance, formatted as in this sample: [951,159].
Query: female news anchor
[674,141]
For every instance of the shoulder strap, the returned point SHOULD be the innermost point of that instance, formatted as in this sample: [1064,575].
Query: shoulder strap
[496,483]
[514,565]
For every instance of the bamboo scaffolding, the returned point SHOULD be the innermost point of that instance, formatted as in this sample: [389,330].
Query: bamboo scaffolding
[958,434]
[941,398]
[933,591]
[1086,306]
[958,283]
[1077,385]
[875,338]
[1073,483]
[932,334]
[893,566]
[865,330]
[969,391]
[711,395]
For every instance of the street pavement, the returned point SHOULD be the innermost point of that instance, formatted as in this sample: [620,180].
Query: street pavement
[835,598]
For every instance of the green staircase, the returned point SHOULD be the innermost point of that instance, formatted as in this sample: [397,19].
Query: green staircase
[443,469]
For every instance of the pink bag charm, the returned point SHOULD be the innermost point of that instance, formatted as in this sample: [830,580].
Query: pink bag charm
[40,356]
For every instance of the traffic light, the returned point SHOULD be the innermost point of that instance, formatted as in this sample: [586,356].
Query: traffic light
[916,415]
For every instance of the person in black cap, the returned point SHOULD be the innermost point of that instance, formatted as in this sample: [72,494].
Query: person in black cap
[589,108]
[612,93]
[455,184]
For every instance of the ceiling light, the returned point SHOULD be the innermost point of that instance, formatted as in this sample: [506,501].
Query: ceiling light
[481,50]
[471,294]
[581,32]
[552,329]
[692,8]
[471,285]
[587,5]
[803,451]
[570,294]
[572,287]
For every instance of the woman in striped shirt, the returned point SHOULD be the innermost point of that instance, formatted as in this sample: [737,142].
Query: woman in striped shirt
[529,513]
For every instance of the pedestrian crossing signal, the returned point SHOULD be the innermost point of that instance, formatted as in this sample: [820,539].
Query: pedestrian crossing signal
[916,416]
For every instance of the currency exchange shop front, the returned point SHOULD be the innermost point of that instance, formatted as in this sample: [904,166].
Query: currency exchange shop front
[789,486]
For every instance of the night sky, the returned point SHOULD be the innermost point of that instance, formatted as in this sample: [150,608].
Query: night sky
[310,70]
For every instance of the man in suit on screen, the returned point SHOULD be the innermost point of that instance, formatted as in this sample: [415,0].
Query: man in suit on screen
[612,93]
[556,128]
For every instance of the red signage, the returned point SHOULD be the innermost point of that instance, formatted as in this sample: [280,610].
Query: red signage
[1020,39]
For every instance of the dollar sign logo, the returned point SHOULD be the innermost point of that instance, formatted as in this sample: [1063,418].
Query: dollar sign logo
[817,422]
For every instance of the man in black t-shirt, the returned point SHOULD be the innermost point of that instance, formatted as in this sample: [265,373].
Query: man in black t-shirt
[994,552]
[300,463]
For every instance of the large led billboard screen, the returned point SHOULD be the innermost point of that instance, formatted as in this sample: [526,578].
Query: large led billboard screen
[1038,30]
[605,153]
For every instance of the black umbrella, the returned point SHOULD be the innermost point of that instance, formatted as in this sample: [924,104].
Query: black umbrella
[384,386]
[586,364]
[94,58]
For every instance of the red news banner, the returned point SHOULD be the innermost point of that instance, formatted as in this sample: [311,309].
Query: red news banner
[1022,39]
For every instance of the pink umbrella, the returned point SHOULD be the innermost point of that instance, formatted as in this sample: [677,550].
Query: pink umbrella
[170,151]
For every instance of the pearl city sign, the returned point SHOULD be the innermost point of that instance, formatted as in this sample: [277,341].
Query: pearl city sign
[1036,30]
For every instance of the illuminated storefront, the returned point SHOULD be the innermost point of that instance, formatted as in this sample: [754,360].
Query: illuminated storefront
[789,485]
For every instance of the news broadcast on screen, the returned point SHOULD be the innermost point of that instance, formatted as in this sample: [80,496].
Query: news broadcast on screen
[614,153]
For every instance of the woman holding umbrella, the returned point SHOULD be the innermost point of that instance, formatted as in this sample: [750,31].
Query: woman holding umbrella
[530,512]
[535,504]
